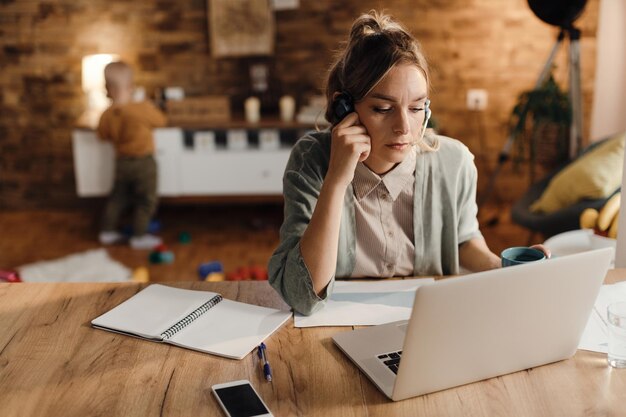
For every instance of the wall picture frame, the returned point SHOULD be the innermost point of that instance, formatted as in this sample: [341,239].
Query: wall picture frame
[241,28]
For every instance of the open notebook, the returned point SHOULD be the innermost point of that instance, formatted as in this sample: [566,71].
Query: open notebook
[198,320]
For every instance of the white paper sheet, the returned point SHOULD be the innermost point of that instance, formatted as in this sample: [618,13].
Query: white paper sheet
[362,303]
[595,336]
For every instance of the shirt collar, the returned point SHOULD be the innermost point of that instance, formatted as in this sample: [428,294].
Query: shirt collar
[365,181]
[397,179]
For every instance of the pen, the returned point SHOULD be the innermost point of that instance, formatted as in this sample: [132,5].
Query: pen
[266,365]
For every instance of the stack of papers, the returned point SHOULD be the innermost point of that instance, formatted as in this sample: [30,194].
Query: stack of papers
[595,337]
[363,303]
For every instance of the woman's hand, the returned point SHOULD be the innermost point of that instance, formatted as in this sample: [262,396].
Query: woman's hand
[350,144]
[543,249]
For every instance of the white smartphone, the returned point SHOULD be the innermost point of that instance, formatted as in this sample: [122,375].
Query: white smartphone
[239,399]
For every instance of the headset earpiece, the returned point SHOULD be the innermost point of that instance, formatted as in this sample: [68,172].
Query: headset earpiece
[427,113]
[343,105]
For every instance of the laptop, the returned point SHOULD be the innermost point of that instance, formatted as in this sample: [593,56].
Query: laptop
[482,325]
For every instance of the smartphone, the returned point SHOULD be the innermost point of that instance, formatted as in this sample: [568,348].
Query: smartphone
[239,399]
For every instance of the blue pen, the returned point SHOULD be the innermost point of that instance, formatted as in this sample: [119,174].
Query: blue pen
[266,365]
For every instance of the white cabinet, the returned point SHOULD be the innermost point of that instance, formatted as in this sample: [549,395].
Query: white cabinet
[236,172]
[94,163]
[168,145]
[192,170]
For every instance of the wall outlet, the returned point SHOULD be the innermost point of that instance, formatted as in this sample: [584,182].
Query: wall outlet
[477,99]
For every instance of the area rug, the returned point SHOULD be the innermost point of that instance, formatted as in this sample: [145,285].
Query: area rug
[89,266]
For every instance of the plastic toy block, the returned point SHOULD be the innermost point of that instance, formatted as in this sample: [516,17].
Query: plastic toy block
[234,276]
[215,277]
[166,257]
[141,274]
[184,237]
[153,227]
[209,267]
[161,248]
[9,276]
[258,273]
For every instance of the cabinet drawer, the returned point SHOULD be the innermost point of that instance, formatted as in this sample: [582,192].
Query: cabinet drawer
[250,172]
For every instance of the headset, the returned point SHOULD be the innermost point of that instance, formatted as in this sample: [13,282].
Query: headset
[427,113]
[343,105]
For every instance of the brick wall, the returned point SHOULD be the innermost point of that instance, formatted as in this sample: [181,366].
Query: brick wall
[492,44]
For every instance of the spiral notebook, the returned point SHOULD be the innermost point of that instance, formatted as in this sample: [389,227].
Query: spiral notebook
[198,320]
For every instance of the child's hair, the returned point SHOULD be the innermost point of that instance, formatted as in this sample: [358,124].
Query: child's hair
[118,72]
[377,42]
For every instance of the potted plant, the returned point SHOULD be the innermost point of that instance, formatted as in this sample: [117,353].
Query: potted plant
[542,120]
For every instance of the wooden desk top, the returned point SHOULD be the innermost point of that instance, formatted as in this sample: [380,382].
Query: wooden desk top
[52,363]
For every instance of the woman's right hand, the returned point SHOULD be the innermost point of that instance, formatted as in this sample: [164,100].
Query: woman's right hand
[350,144]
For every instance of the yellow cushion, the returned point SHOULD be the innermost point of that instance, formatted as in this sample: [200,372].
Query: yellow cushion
[596,174]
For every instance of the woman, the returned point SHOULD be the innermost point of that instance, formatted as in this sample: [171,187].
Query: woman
[375,196]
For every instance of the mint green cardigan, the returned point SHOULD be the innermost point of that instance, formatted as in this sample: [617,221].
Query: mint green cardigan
[444,213]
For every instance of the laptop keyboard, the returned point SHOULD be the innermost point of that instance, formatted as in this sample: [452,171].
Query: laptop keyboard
[391,360]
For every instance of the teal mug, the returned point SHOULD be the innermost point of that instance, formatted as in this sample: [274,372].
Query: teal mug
[520,255]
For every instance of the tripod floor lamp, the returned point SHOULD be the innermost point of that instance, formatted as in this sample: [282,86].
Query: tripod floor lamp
[560,13]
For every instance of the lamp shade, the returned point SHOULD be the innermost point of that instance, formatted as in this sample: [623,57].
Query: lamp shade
[557,12]
[93,71]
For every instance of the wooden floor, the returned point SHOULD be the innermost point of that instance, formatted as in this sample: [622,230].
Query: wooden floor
[237,235]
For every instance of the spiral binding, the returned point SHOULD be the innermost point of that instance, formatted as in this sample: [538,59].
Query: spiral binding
[181,324]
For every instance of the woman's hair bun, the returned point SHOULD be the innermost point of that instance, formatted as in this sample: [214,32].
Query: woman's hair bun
[372,23]
[363,26]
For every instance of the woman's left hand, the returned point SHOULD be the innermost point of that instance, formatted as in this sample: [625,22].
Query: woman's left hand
[543,249]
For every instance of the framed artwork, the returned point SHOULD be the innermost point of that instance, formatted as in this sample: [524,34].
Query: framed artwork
[241,27]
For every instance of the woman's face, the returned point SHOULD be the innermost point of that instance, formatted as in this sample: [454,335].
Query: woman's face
[393,113]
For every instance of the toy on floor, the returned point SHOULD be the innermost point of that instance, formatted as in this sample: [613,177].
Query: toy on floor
[9,276]
[153,227]
[160,255]
[184,238]
[254,272]
[212,271]
[141,274]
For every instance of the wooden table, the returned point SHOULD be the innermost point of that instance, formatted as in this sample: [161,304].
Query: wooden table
[52,363]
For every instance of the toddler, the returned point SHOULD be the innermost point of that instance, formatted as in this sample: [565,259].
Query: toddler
[128,126]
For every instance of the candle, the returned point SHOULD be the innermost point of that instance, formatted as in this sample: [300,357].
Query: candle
[287,108]
[252,107]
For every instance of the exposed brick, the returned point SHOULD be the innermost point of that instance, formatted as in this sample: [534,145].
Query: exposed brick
[14,52]
[175,48]
[46,9]
[478,44]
